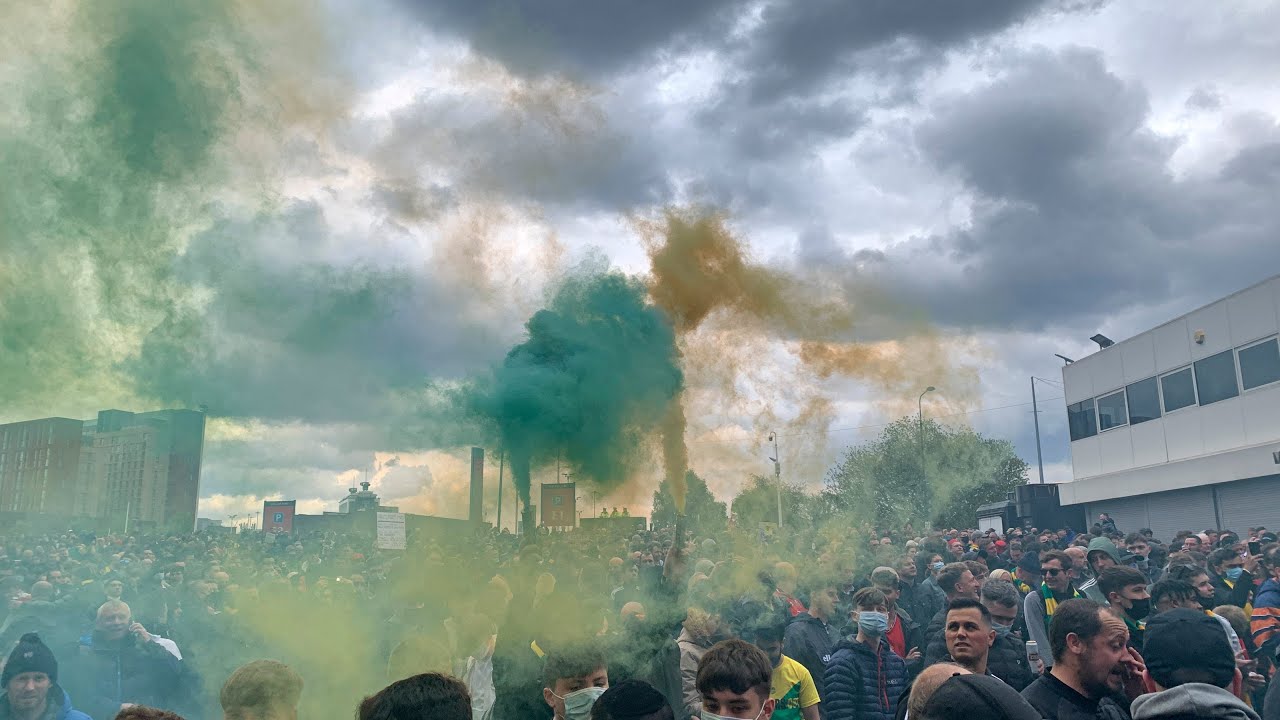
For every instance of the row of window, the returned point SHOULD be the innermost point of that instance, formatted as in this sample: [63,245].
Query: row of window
[1204,382]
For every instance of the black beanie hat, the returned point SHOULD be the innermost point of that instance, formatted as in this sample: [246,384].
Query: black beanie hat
[30,655]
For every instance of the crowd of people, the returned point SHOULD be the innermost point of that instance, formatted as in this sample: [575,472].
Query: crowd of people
[848,623]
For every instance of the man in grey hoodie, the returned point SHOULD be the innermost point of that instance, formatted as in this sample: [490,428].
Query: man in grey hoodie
[1191,671]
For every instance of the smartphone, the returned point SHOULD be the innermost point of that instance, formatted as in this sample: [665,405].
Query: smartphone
[1255,547]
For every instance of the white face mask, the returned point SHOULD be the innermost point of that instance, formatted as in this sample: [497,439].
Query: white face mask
[577,704]
[708,715]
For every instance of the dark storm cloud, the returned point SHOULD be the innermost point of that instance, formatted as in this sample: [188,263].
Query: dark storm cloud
[287,328]
[801,43]
[1076,214]
[583,39]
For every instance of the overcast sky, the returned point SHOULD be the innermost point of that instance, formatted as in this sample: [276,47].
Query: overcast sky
[1006,176]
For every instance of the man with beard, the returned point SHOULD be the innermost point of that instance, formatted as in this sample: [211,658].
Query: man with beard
[120,667]
[1095,673]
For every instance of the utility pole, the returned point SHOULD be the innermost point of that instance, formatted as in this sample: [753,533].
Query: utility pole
[1035,413]
[501,457]
[920,415]
[777,474]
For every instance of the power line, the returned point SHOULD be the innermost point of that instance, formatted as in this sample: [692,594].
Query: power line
[831,431]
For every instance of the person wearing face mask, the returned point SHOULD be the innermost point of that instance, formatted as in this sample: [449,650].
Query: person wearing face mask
[1126,591]
[1232,577]
[930,597]
[865,679]
[1007,659]
[734,679]
[573,679]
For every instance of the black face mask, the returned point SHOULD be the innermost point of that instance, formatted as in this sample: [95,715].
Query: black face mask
[1206,603]
[1141,609]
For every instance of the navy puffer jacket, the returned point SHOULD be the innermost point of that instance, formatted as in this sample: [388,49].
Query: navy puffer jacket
[863,683]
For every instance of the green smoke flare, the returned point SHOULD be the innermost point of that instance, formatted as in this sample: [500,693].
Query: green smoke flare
[589,384]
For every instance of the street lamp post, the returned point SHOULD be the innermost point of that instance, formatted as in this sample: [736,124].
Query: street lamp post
[777,474]
[920,416]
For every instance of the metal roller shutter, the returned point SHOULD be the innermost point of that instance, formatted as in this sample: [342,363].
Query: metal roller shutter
[1130,513]
[1249,503]
[1189,509]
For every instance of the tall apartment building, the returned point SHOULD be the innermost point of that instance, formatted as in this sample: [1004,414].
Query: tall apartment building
[141,466]
[39,465]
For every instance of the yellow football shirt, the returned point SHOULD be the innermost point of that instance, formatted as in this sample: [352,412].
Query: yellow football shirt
[793,688]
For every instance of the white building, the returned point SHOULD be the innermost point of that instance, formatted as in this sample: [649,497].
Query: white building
[1179,427]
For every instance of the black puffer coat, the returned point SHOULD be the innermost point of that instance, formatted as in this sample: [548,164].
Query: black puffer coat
[863,683]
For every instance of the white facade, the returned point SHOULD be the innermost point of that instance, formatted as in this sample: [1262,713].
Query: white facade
[1194,403]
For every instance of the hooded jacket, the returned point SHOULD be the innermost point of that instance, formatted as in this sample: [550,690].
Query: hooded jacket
[1193,700]
[863,683]
[1090,587]
[692,648]
[59,707]
[810,642]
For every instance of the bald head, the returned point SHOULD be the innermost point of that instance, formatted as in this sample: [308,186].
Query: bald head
[928,682]
[42,590]
[632,611]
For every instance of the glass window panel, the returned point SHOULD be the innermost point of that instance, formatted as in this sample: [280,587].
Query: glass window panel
[1144,401]
[1260,364]
[1216,377]
[1179,391]
[1081,420]
[1112,411]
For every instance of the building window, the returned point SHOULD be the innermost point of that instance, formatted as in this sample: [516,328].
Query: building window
[1144,401]
[1216,378]
[1112,412]
[1178,389]
[1260,364]
[1081,420]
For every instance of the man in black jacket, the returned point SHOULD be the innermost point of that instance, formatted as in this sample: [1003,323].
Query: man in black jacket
[118,667]
[1008,657]
[1095,675]
[810,638]
[956,580]
[1232,577]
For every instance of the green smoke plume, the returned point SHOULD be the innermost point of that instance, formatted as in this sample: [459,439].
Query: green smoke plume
[113,119]
[589,385]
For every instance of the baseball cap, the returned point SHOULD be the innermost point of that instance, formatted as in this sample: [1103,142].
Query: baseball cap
[1185,639]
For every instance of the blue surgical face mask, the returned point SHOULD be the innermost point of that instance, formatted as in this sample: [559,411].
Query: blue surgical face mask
[938,565]
[1001,630]
[872,622]
[1233,574]
[577,704]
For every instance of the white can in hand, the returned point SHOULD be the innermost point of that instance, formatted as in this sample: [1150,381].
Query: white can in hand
[1033,653]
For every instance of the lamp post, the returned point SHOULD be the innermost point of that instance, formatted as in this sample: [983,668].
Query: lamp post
[920,416]
[777,473]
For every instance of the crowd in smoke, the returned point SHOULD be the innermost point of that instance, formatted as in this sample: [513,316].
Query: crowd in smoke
[571,625]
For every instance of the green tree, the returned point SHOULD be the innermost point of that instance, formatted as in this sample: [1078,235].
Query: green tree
[703,512]
[758,502]
[939,478]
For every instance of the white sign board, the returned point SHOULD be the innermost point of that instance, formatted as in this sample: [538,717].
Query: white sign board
[391,531]
[991,523]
